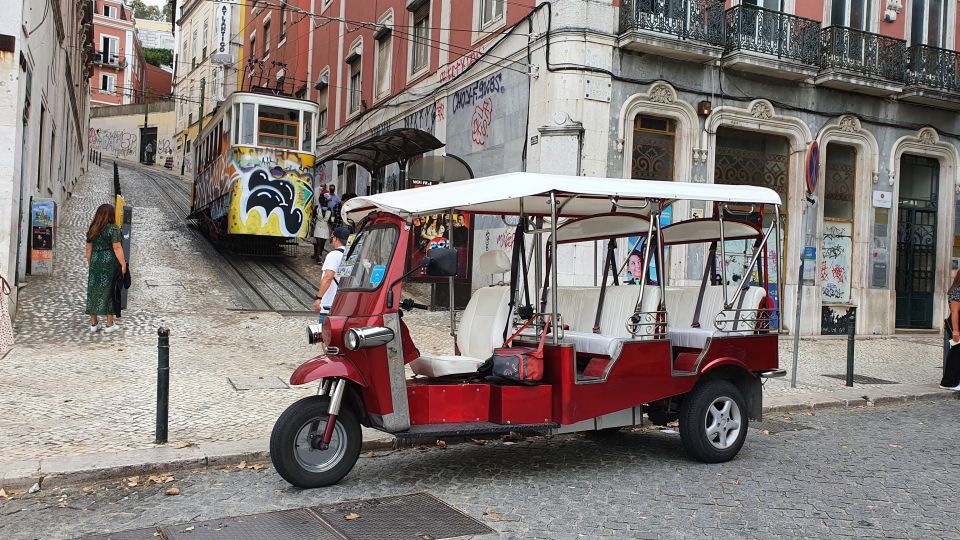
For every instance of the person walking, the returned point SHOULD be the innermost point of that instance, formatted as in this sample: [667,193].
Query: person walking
[321,232]
[328,280]
[104,255]
[333,200]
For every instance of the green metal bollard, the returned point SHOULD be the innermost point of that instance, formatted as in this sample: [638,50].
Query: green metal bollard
[163,382]
[851,337]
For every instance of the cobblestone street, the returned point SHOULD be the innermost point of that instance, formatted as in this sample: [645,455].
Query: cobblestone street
[76,392]
[880,472]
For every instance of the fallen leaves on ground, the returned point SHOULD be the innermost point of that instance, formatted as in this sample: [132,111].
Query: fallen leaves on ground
[159,479]
[513,436]
[171,492]
[675,423]
[184,444]
[133,481]
[441,444]
[371,454]
[351,517]
[242,465]
[895,446]
[3,494]
[480,442]
[495,516]
[765,432]
[257,466]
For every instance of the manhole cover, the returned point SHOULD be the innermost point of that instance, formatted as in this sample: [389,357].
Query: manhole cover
[293,524]
[777,426]
[862,379]
[139,534]
[257,383]
[404,517]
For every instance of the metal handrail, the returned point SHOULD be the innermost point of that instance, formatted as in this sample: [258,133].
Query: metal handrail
[934,67]
[750,319]
[699,20]
[643,319]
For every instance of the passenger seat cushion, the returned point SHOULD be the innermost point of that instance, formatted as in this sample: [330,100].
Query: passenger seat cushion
[442,366]
[483,320]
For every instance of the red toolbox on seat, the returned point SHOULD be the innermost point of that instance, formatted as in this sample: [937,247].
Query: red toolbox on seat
[521,404]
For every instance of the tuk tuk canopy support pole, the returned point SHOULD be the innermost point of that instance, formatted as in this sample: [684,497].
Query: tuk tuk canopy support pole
[453,316]
[163,383]
[553,267]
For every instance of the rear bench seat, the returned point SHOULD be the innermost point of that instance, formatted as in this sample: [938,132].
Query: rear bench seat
[682,303]
[578,309]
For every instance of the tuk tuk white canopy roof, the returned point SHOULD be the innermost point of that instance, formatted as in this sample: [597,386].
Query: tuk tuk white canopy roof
[502,194]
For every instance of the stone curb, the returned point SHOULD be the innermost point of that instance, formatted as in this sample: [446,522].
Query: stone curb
[68,470]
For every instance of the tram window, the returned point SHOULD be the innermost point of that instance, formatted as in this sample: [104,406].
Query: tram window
[235,133]
[307,143]
[278,127]
[246,136]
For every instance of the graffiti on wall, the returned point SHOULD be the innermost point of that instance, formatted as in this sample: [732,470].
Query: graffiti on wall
[114,142]
[479,99]
[836,262]
[474,93]
[424,119]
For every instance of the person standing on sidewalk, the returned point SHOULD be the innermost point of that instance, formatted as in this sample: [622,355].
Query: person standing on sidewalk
[951,370]
[321,231]
[328,280]
[104,256]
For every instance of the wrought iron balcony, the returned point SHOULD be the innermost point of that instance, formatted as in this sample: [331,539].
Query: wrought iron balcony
[686,29]
[793,40]
[852,59]
[700,20]
[935,68]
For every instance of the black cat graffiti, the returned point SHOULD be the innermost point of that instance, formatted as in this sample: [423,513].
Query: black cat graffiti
[271,194]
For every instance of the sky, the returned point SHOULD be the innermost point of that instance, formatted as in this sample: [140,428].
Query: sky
[158,3]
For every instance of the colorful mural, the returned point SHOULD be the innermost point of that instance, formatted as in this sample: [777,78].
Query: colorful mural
[262,192]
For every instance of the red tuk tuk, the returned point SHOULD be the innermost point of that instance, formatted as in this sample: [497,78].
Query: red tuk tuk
[695,352]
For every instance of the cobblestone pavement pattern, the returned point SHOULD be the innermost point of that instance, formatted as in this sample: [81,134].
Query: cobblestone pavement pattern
[76,392]
[879,472]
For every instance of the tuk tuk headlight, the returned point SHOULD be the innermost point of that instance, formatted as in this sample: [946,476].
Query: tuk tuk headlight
[370,336]
[314,334]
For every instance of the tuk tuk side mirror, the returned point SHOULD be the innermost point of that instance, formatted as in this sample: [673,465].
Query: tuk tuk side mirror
[441,262]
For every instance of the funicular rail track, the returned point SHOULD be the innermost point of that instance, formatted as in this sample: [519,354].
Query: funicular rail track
[261,283]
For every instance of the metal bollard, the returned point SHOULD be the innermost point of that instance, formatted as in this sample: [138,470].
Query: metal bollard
[163,382]
[851,337]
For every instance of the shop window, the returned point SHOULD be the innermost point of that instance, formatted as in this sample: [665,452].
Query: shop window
[654,147]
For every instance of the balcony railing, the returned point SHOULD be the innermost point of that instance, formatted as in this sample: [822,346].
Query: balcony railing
[699,20]
[863,53]
[109,59]
[773,32]
[934,67]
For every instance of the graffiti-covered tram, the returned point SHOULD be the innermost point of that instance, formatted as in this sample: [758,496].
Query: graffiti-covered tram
[253,170]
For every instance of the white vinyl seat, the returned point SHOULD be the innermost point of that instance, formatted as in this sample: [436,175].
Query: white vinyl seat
[481,325]
[619,304]
[682,303]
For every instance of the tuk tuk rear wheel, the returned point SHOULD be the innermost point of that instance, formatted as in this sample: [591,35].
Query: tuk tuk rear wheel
[293,443]
[713,421]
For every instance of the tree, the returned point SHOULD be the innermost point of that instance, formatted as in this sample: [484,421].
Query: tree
[143,11]
[158,57]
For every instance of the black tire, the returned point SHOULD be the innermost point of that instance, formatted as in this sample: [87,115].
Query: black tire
[289,455]
[695,413]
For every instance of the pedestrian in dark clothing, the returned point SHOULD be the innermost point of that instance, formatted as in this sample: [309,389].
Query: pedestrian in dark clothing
[951,370]
[104,256]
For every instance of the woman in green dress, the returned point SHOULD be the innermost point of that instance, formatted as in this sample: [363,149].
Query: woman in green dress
[104,256]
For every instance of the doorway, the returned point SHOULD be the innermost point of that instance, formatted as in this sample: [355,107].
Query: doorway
[148,145]
[917,242]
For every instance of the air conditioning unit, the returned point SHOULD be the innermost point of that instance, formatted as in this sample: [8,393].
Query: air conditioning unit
[322,82]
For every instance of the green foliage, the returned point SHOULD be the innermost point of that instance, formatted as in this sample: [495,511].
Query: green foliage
[153,13]
[158,57]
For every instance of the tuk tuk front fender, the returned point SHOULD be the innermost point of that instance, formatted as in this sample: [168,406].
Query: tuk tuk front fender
[737,372]
[324,366]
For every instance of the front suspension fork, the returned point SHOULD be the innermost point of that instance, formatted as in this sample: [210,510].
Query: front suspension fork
[335,389]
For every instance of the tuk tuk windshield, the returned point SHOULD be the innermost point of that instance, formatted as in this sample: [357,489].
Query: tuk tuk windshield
[368,257]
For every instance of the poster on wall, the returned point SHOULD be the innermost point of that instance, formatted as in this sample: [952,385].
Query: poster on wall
[836,261]
[42,217]
[434,231]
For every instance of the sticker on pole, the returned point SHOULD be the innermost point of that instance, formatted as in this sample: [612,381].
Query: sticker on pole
[813,167]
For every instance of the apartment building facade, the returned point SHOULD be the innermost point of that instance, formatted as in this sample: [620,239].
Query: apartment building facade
[118,61]
[46,61]
[705,91]
[206,59]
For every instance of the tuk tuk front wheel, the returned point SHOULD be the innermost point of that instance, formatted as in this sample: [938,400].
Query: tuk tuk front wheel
[295,443]
[713,421]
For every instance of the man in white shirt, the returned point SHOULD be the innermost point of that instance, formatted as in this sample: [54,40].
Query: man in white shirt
[328,280]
